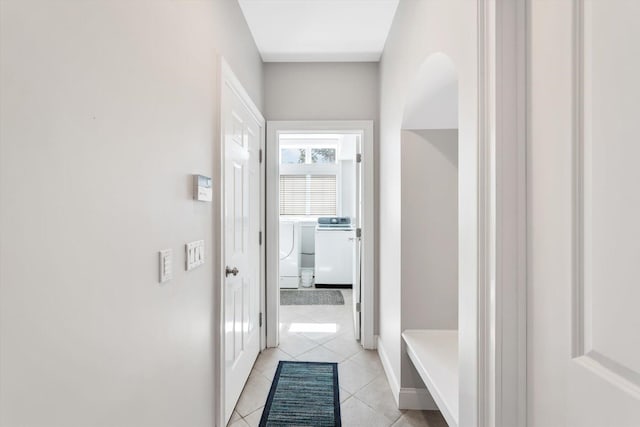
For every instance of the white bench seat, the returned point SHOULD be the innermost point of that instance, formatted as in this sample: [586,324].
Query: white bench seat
[434,353]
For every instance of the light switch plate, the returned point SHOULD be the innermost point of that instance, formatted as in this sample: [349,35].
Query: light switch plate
[194,254]
[166,269]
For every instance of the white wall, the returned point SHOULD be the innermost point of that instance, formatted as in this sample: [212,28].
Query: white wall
[348,150]
[321,91]
[348,188]
[326,91]
[429,233]
[422,28]
[433,101]
[107,108]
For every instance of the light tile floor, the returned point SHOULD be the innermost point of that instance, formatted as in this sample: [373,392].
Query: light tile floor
[324,333]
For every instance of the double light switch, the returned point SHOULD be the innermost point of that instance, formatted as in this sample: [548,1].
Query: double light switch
[194,254]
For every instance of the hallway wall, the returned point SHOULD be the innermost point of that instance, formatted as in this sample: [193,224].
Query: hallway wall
[321,90]
[421,28]
[107,108]
[327,91]
[429,233]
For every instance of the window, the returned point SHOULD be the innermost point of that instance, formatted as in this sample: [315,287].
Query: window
[303,195]
[309,155]
[293,155]
[323,155]
[309,179]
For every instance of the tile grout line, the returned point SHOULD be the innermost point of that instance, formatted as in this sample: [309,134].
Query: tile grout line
[402,411]
[321,344]
[392,422]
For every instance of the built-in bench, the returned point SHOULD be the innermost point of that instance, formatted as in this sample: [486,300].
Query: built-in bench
[434,353]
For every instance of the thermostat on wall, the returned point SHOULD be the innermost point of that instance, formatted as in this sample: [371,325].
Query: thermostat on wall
[202,188]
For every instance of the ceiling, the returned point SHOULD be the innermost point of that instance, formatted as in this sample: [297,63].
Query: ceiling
[319,30]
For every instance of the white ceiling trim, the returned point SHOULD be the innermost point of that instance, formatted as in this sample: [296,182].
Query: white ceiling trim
[322,57]
[319,30]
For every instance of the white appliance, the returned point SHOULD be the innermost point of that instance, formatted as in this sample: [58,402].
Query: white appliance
[334,251]
[289,254]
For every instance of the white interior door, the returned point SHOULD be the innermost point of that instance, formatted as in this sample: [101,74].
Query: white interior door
[605,374]
[357,245]
[242,133]
[583,279]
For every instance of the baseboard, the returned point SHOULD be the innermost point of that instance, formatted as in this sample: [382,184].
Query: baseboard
[406,398]
[391,376]
[417,399]
[374,345]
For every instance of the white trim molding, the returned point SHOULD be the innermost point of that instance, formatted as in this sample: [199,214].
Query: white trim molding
[502,44]
[361,127]
[388,370]
[578,332]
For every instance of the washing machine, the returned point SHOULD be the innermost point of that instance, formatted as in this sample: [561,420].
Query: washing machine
[289,254]
[334,251]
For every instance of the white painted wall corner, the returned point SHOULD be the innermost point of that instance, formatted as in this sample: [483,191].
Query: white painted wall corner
[418,399]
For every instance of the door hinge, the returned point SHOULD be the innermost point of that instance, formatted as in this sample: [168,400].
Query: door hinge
[358,232]
[357,307]
[260,320]
[260,155]
[260,238]
[359,158]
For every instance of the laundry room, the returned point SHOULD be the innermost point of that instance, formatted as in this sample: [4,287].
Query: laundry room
[320,240]
[319,246]
[317,210]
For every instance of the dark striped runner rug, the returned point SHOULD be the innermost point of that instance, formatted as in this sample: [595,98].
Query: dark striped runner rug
[303,394]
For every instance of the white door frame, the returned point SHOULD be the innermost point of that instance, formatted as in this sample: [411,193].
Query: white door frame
[502,218]
[274,129]
[227,77]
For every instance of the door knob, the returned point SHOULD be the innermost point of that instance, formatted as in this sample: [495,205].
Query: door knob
[228,271]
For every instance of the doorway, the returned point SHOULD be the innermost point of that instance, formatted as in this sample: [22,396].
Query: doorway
[319,234]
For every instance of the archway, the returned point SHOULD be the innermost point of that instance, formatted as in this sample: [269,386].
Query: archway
[429,209]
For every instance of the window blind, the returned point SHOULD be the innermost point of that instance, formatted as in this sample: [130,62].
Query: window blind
[308,195]
[322,195]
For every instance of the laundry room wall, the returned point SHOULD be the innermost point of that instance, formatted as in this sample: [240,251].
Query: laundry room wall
[348,148]
[308,244]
